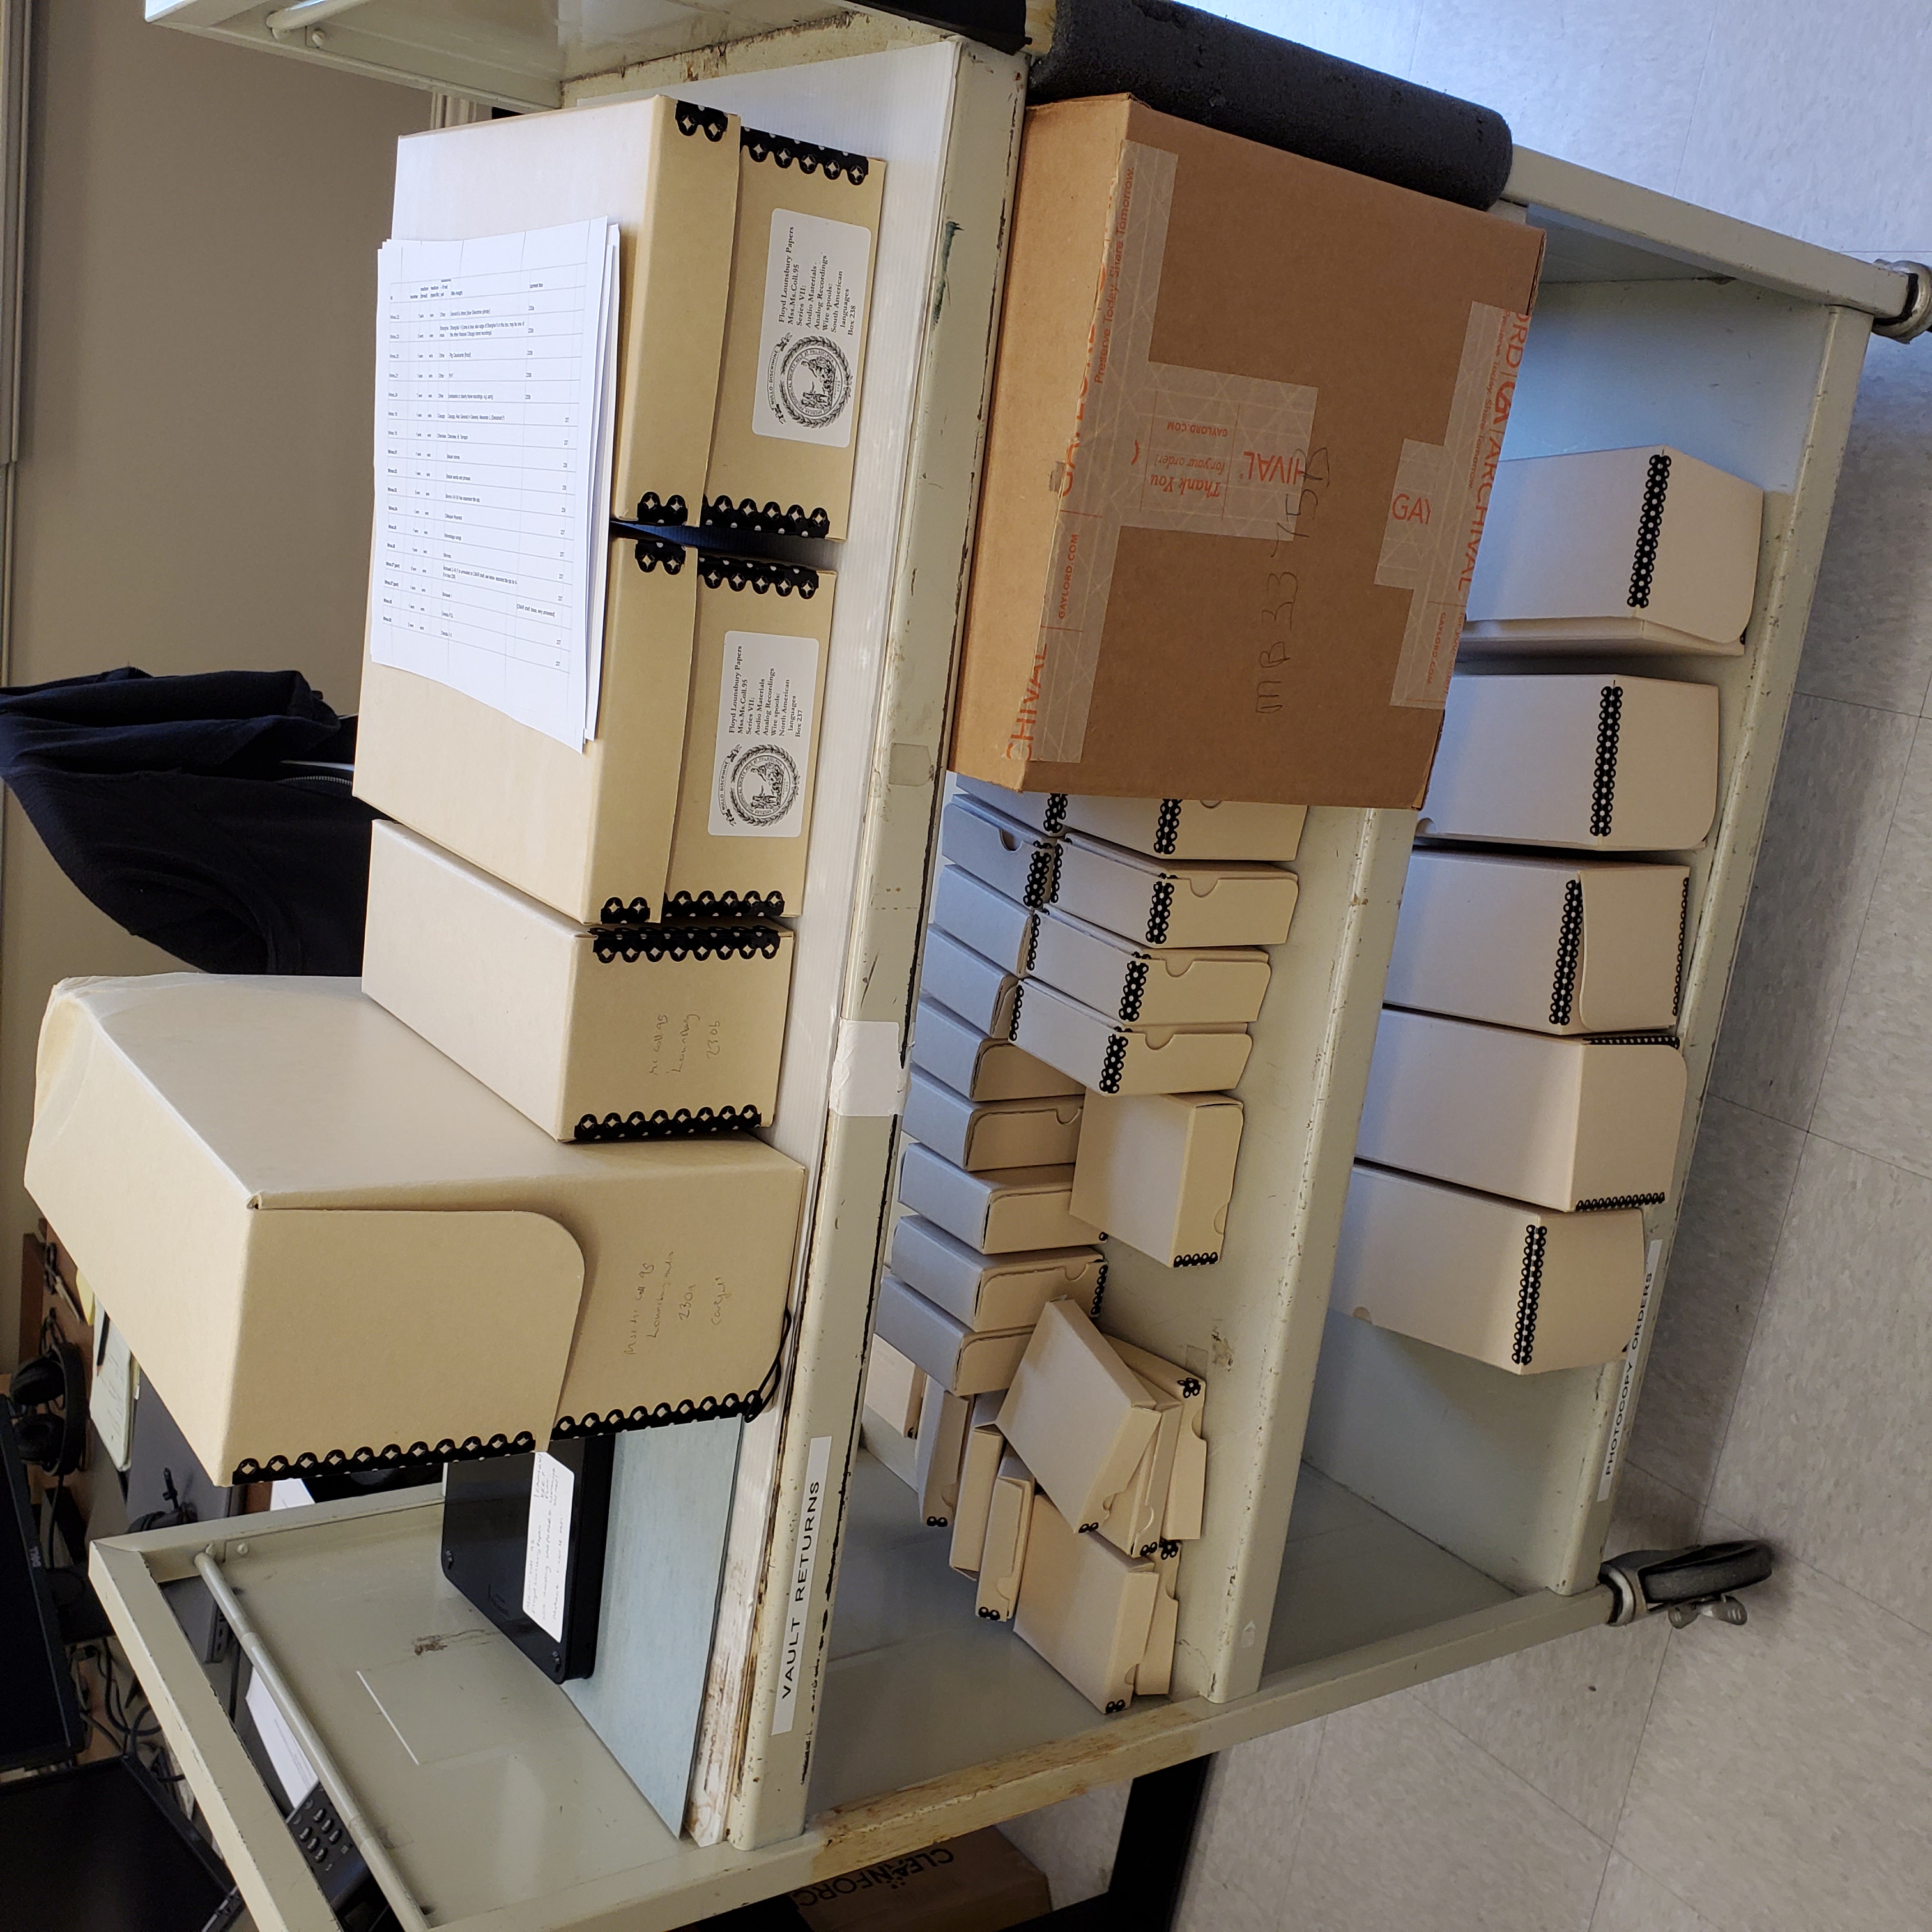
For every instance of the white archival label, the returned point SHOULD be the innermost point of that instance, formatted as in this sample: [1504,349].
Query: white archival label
[546,1547]
[285,1752]
[814,329]
[810,1519]
[765,701]
[496,367]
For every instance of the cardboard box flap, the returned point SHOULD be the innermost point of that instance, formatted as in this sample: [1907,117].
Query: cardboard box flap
[1003,1552]
[979,1467]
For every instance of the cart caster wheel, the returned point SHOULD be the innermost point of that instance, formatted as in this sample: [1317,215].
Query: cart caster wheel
[1685,1584]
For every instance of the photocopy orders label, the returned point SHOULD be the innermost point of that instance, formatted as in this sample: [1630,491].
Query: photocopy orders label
[813,328]
[804,1561]
[547,1549]
[765,699]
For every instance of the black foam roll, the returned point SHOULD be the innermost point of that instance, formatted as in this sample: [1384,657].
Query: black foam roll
[1191,64]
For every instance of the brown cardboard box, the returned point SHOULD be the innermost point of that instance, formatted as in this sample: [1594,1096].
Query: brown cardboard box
[573,1027]
[795,341]
[577,828]
[987,921]
[983,1134]
[992,1292]
[1109,1057]
[1181,902]
[1565,1123]
[1245,415]
[1087,1608]
[1523,1289]
[963,982]
[1164,828]
[978,1883]
[318,1233]
[967,1361]
[1158,986]
[1644,549]
[1578,760]
[1554,945]
[1157,1171]
[751,749]
[999,1213]
[974,1063]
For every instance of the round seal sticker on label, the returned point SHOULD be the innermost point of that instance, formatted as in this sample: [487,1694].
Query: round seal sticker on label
[757,785]
[807,380]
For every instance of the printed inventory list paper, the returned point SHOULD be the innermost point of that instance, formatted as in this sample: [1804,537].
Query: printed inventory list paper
[496,393]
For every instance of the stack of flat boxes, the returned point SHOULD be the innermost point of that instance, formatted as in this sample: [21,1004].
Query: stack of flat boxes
[1090,973]
[1527,1091]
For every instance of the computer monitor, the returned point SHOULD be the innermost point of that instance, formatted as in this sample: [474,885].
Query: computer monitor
[101,1848]
[40,1717]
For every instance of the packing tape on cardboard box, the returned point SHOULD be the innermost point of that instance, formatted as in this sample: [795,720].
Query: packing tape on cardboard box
[868,1078]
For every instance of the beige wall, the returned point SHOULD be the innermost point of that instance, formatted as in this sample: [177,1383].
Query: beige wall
[194,485]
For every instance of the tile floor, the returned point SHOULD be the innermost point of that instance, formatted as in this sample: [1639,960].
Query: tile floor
[1776,1779]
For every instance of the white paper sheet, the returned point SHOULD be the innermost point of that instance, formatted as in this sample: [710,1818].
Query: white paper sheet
[495,392]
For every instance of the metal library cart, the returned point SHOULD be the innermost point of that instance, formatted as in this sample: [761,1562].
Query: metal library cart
[1379,1512]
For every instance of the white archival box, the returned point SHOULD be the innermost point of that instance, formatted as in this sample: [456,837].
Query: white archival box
[993,1292]
[1107,1056]
[1562,1122]
[1568,945]
[1525,1290]
[1589,762]
[1646,549]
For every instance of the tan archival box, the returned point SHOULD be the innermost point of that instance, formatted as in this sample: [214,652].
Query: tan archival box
[976,1064]
[1524,1291]
[979,1469]
[794,351]
[1157,1171]
[1165,828]
[1016,859]
[1245,412]
[992,1292]
[751,749]
[969,909]
[1079,1418]
[1594,763]
[1196,902]
[1555,945]
[1087,1608]
[943,1420]
[894,1387]
[1625,549]
[1565,1123]
[999,1212]
[961,1360]
[319,1235]
[1002,1552]
[1158,986]
[575,1028]
[573,828]
[967,982]
[1110,1056]
[977,1135]
[1187,1487]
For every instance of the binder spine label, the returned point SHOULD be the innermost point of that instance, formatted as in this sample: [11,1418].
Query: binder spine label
[816,273]
[762,760]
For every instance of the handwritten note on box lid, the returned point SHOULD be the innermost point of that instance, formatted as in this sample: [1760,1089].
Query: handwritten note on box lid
[1159,985]
[992,1292]
[976,1065]
[998,1213]
[1162,902]
[1109,1057]
[980,1134]
[994,925]
[1011,857]
[1078,1415]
